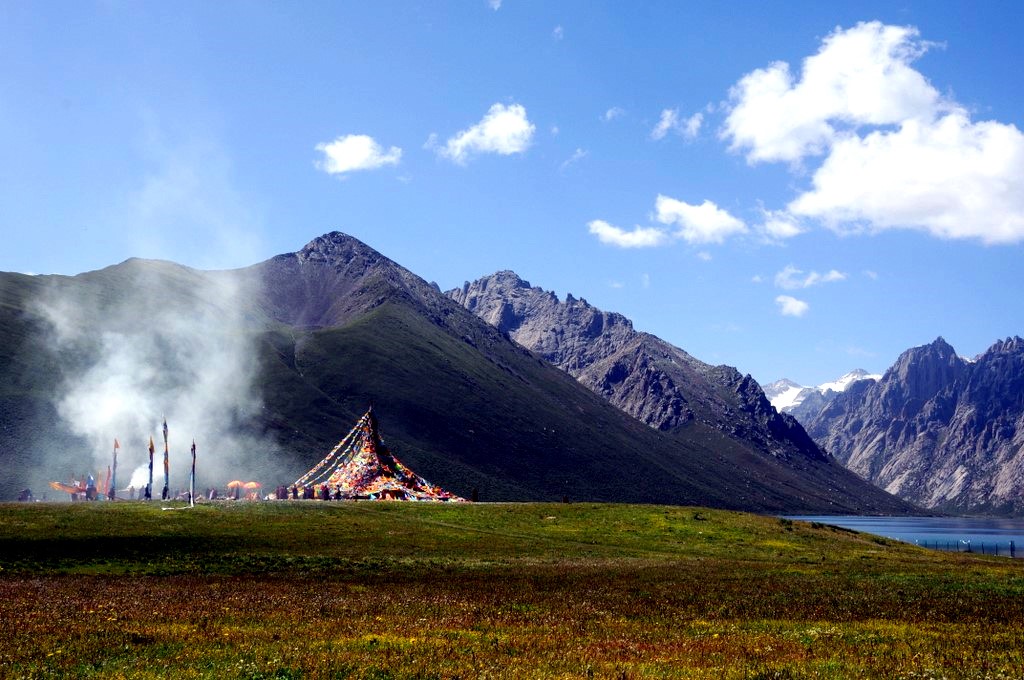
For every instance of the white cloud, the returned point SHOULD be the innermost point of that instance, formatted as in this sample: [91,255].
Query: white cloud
[790,306]
[873,275]
[645,280]
[897,154]
[355,152]
[829,276]
[860,76]
[494,4]
[756,278]
[577,155]
[504,130]
[616,284]
[669,120]
[779,225]
[613,113]
[704,223]
[791,278]
[554,130]
[558,33]
[949,177]
[704,256]
[639,237]
[692,125]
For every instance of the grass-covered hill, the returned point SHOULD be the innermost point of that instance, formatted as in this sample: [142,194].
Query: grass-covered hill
[336,326]
[392,590]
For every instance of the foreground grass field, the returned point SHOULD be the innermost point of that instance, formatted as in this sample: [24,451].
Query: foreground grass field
[391,590]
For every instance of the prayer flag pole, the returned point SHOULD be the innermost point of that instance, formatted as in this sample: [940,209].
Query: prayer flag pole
[149,487]
[192,478]
[167,465]
[112,492]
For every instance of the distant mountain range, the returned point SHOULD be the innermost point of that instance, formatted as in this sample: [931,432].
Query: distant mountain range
[803,402]
[648,378]
[285,355]
[936,429]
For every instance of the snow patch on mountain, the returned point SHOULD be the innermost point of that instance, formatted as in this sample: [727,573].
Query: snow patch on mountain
[786,395]
[841,384]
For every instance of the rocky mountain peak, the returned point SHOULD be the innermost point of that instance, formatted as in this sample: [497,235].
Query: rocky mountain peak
[503,280]
[1011,345]
[936,429]
[657,383]
[526,312]
[334,277]
[780,385]
[804,403]
[337,249]
[921,372]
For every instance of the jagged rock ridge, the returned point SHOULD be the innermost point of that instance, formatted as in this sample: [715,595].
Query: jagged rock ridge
[657,383]
[936,429]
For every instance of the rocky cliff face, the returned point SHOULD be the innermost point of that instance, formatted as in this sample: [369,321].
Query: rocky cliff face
[655,382]
[936,429]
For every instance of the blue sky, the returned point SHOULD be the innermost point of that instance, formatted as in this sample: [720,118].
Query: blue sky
[796,189]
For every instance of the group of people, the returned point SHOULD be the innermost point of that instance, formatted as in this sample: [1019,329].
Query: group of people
[283,492]
[307,492]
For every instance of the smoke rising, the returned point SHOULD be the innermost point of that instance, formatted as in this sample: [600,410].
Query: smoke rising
[145,340]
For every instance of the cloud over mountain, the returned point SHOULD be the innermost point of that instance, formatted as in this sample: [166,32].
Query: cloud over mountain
[355,152]
[790,306]
[897,153]
[670,121]
[704,223]
[503,130]
[639,237]
[791,278]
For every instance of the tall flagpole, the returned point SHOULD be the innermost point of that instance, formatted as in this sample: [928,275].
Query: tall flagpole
[112,492]
[149,487]
[167,465]
[192,478]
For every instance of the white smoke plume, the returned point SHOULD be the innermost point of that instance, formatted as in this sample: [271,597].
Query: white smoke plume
[148,340]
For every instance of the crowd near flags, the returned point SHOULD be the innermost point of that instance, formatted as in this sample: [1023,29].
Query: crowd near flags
[106,485]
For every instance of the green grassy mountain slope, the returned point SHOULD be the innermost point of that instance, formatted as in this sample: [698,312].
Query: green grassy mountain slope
[336,326]
[516,428]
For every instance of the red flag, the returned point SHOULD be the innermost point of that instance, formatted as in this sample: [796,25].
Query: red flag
[117,444]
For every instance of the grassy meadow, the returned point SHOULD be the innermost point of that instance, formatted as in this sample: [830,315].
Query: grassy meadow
[393,590]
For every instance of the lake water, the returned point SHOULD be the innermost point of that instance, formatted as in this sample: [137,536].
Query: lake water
[977,534]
